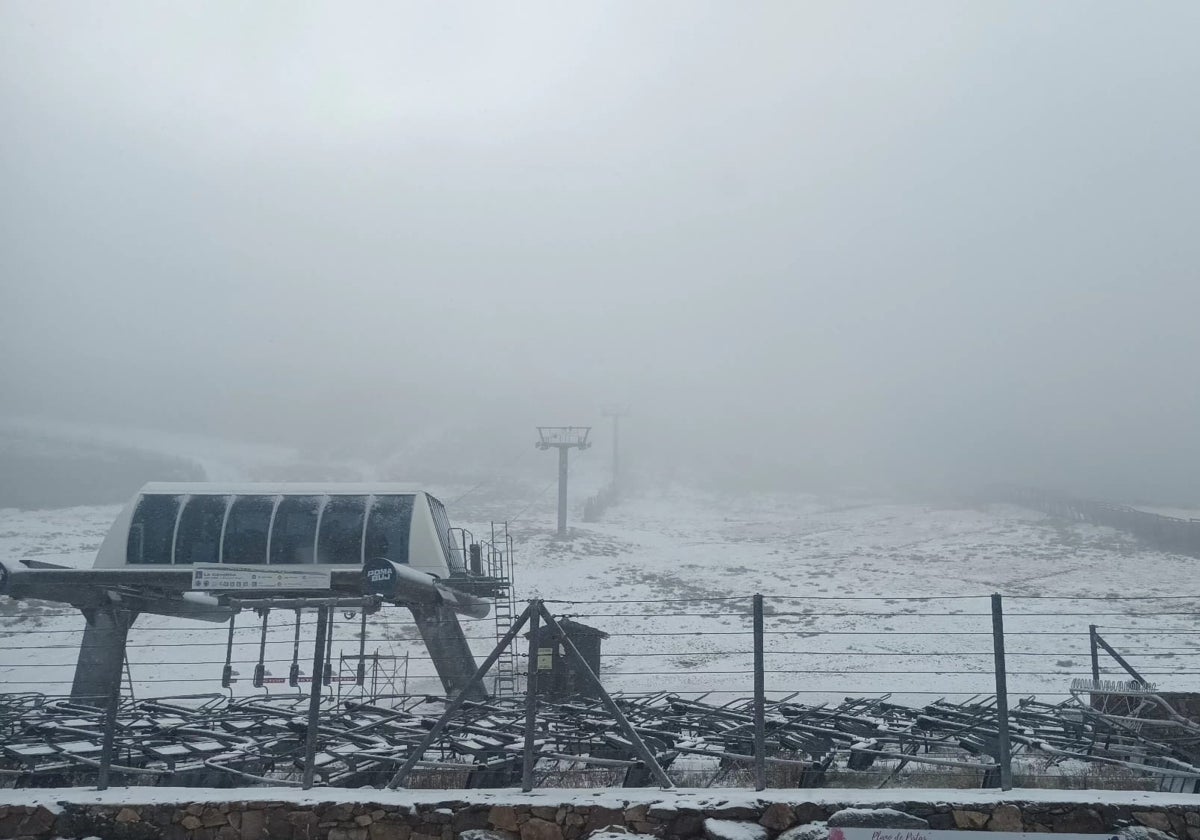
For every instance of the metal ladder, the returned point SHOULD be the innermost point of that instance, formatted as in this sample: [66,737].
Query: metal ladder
[499,561]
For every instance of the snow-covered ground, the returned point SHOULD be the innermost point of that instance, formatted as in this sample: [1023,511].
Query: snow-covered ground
[1176,512]
[862,598]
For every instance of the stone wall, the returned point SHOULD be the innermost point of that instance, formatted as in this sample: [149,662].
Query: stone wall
[460,820]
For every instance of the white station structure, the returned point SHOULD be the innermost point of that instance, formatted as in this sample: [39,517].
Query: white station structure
[188,550]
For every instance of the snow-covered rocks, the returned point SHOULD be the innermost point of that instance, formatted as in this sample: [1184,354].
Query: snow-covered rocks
[733,830]
[808,831]
[875,818]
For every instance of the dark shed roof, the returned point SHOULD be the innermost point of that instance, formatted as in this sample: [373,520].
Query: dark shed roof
[572,628]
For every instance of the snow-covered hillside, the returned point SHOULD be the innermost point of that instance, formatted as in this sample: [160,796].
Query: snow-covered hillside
[862,597]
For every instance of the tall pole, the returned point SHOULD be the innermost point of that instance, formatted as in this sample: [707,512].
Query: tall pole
[616,414]
[616,468]
[562,438]
[531,695]
[760,700]
[562,491]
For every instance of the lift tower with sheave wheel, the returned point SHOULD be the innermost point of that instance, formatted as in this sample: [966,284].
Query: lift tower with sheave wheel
[563,438]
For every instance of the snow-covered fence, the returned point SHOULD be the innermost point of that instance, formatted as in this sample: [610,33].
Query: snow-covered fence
[785,689]
[1174,534]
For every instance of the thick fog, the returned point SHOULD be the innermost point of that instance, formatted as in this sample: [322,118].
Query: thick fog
[808,244]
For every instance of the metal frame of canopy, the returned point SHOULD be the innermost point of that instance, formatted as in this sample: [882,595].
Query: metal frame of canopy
[112,599]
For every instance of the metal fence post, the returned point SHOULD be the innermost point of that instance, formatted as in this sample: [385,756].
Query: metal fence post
[531,689]
[760,700]
[314,697]
[327,674]
[1005,746]
[1095,653]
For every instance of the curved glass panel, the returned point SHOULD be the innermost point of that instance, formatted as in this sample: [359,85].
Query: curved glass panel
[246,529]
[199,537]
[340,538]
[295,530]
[151,529]
[388,527]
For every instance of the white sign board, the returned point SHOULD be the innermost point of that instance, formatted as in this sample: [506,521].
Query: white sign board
[212,576]
[927,834]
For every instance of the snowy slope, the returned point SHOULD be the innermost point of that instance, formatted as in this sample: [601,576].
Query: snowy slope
[676,569]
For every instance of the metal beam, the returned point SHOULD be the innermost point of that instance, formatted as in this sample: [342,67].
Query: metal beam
[168,591]
[1120,659]
[367,603]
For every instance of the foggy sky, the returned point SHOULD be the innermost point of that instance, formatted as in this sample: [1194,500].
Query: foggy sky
[930,242]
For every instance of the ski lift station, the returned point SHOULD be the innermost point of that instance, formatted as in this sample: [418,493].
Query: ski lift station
[203,551]
[332,526]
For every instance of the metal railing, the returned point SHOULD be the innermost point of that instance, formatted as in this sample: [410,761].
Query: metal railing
[734,690]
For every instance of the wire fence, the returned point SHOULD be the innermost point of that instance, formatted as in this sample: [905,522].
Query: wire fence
[722,690]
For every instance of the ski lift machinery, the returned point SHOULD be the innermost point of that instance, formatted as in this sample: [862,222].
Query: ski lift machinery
[193,550]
